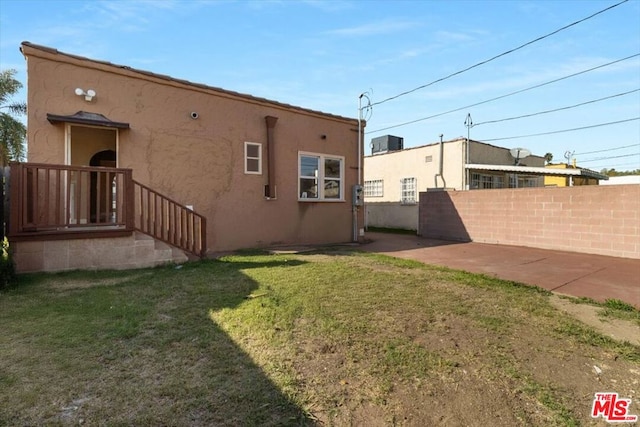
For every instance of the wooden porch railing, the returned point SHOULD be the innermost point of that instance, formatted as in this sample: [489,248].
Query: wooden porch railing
[61,201]
[169,221]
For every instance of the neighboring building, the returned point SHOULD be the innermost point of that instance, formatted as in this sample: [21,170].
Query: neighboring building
[589,177]
[620,180]
[260,172]
[393,178]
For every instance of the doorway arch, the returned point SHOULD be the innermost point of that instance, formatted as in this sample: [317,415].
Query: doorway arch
[102,188]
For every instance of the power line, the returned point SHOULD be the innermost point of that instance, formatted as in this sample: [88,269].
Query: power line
[506,95]
[563,130]
[609,149]
[556,109]
[500,55]
[614,165]
[610,157]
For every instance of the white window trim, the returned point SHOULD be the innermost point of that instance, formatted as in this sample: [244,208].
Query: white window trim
[374,188]
[320,177]
[259,158]
[414,200]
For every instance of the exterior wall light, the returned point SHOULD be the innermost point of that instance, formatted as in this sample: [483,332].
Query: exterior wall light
[88,95]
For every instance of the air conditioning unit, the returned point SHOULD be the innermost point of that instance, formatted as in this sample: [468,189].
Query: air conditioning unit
[383,144]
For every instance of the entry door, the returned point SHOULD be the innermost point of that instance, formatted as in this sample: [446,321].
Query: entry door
[91,195]
[103,189]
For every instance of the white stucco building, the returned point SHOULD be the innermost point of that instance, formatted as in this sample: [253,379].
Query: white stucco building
[393,178]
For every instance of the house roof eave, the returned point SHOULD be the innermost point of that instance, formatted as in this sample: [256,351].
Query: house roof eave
[534,170]
[39,50]
[86,118]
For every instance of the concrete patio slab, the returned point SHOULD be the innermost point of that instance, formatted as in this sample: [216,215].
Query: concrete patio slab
[571,273]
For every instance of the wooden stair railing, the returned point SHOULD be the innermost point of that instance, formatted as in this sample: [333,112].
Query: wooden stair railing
[169,221]
[63,201]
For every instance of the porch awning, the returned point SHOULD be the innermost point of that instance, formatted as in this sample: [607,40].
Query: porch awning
[533,170]
[86,118]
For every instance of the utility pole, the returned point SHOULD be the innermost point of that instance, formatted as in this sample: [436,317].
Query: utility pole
[469,124]
[358,191]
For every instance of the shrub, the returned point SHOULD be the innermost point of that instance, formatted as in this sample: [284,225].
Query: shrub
[7,267]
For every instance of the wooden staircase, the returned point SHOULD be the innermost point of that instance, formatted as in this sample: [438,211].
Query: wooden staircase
[61,202]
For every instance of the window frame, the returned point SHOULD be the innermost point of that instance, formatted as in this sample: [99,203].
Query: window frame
[321,178]
[374,188]
[403,191]
[247,158]
[486,181]
[524,181]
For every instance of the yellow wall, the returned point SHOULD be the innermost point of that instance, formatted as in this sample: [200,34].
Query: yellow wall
[564,181]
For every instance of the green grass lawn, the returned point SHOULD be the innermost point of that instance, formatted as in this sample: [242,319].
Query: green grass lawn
[333,338]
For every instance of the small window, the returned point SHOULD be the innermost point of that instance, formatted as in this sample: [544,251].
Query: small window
[320,177]
[253,158]
[408,191]
[374,188]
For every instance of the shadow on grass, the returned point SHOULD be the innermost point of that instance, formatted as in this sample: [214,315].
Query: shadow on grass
[250,396]
[143,351]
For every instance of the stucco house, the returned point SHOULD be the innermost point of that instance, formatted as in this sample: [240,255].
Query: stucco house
[117,154]
[394,175]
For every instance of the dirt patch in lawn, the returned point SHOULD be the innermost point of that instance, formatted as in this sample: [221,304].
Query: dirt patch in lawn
[618,329]
[69,284]
[463,370]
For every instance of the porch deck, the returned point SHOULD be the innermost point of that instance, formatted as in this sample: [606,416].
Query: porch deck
[60,202]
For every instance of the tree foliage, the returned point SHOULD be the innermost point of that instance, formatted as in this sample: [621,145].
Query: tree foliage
[12,131]
[613,172]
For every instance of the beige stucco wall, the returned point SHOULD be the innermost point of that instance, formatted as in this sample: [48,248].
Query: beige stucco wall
[392,215]
[199,162]
[423,163]
[480,153]
[414,162]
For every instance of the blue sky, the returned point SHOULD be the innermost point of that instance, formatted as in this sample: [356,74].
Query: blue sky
[323,54]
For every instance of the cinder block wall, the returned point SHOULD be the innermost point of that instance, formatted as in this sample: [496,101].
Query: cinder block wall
[601,220]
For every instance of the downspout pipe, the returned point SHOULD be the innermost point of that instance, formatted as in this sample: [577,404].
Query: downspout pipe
[441,166]
[270,191]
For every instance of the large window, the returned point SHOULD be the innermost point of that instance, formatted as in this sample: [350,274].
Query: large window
[483,181]
[252,158]
[408,191]
[320,177]
[374,188]
[524,181]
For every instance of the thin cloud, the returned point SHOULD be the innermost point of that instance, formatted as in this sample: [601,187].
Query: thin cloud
[525,76]
[132,16]
[450,36]
[330,6]
[374,28]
